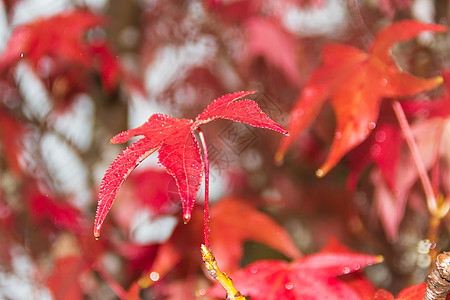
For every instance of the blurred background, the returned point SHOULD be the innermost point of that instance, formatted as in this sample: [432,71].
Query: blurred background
[75,73]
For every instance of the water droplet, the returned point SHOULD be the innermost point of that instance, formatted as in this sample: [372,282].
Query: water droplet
[299,113]
[97,238]
[21,54]
[289,286]
[254,269]
[154,276]
[202,292]
[380,136]
[337,135]
[357,267]
[383,82]
[187,217]
[346,270]
[372,125]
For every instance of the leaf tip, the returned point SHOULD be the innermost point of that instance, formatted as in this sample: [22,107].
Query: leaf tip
[379,259]
[186,217]
[320,173]
[97,232]
[279,158]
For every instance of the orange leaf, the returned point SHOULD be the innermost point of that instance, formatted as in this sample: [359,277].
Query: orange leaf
[356,82]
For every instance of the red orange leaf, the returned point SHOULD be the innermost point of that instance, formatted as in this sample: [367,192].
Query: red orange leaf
[356,81]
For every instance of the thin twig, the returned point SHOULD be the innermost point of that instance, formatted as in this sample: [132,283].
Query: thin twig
[426,183]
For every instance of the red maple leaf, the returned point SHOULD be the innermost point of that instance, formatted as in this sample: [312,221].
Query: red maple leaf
[179,151]
[356,82]
[311,277]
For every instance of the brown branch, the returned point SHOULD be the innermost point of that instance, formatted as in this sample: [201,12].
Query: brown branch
[438,282]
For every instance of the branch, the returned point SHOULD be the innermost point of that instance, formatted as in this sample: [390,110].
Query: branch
[211,265]
[438,282]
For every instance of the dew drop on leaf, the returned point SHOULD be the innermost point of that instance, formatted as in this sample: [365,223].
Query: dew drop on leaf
[338,135]
[299,113]
[380,136]
[372,125]
[346,270]
[154,276]
[254,269]
[289,286]
[383,81]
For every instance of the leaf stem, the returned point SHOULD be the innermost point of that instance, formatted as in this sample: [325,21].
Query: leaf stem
[206,209]
[426,183]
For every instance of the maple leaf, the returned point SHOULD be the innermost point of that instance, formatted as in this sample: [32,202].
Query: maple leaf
[356,81]
[179,151]
[311,277]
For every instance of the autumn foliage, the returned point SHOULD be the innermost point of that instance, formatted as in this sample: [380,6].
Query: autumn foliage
[147,121]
